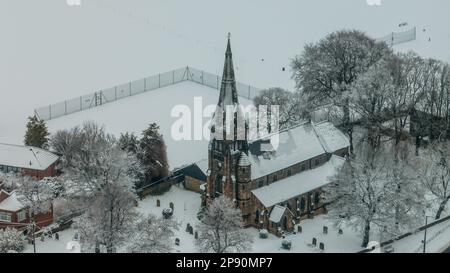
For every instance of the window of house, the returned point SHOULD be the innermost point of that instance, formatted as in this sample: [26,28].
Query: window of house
[21,216]
[5,217]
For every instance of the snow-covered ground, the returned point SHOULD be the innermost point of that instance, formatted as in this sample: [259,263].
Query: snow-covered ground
[51,51]
[187,205]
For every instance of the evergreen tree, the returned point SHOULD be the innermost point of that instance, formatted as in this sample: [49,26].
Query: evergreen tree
[129,142]
[37,133]
[152,154]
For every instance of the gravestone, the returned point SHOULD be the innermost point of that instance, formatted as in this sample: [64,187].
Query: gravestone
[196,235]
[56,236]
[171,205]
[188,227]
[314,241]
[340,232]
[158,202]
[177,241]
[325,230]
[299,229]
[322,246]
[191,230]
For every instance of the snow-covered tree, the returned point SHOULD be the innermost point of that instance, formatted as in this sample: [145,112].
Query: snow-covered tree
[371,190]
[434,173]
[11,240]
[153,235]
[109,220]
[97,162]
[325,71]
[288,103]
[68,143]
[369,99]
[37,133]
[152,154]
[221,229]
[36,196]
[129,142]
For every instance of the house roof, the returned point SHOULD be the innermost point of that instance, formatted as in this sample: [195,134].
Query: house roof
[277,213]
[298,184]
[26,157]
[296,144]
[11,203]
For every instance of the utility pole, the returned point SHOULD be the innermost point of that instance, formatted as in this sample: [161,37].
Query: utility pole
[425,234]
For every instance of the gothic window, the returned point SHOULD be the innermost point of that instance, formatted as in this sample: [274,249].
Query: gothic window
[261,183]
[316,198]
[317,162]
[289,172]
[275,178]
[302,204]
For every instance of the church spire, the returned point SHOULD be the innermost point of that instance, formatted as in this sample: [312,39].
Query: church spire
[228,92]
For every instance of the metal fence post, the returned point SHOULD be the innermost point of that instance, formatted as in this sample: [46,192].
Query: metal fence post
[159,80]
[145,84]
[65,107]
[49,111]
[173,76]
[115,92]
[81,103]
[202,78]
[130,89]
[217,82]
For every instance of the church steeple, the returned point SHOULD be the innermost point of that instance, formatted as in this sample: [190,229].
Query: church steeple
[228,92]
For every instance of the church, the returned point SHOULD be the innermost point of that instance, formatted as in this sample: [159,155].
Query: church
[274,188]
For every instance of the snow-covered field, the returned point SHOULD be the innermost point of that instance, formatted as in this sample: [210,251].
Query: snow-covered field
[134,114]
[51,51]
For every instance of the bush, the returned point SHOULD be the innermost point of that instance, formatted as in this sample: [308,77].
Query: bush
[263,234]
[11,240]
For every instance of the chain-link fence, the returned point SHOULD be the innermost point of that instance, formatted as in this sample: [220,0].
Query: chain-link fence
[118,92]
[399,37]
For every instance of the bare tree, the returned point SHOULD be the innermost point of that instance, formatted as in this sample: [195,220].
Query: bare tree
[221,229]
[370,190]
[289,111]
[325,71]
[109,221]
[153,235]
[434,172]
[36,196]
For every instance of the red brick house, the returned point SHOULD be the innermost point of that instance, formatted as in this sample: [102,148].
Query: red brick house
[29,161]
[14,214]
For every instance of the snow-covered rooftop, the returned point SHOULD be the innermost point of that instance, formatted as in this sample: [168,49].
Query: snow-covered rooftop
[331,137]
[26,157]
[297,144]
[298,184]
[11,203]
[276,213]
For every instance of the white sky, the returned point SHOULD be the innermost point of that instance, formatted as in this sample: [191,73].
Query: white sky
[50,51]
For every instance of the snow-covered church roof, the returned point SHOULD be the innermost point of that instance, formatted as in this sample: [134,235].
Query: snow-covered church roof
[296,144]
[298,184]
[26,157]
[277,213]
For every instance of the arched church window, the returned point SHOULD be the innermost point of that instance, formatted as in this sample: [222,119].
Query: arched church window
[316,198]
[302,204]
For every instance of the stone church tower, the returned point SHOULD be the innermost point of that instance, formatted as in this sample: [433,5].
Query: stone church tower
[228,164]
